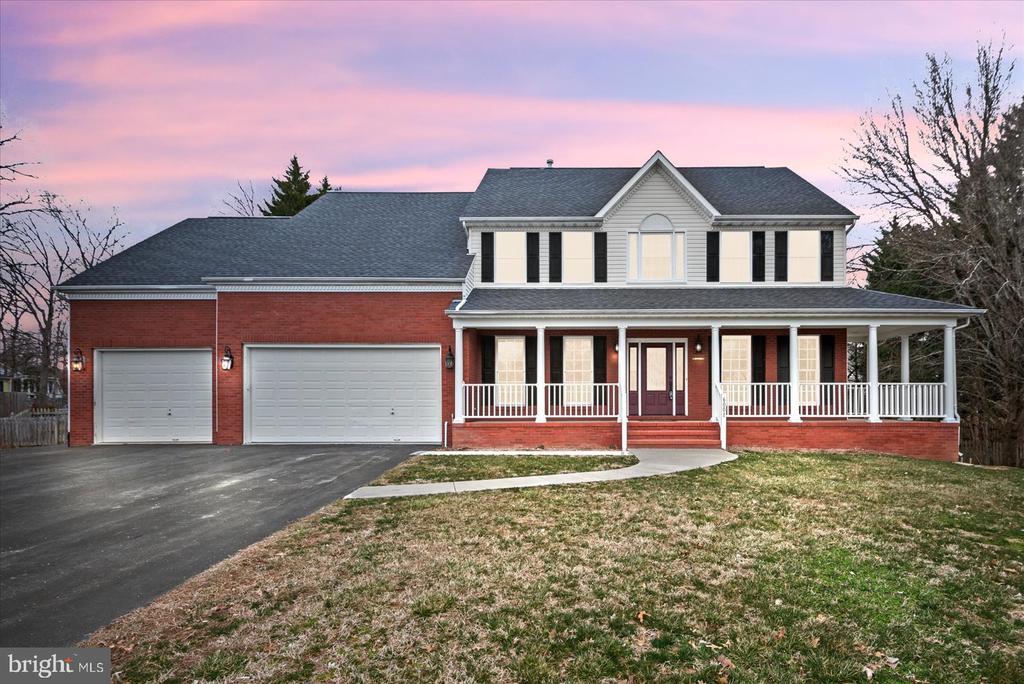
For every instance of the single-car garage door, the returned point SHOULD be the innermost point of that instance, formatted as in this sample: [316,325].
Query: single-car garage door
[344,394]
[154,396]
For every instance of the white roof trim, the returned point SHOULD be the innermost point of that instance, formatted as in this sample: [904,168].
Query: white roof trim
[215,280]
[659,158]
[528,219]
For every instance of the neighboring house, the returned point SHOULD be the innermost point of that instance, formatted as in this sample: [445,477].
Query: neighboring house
[11,381]
[577,308]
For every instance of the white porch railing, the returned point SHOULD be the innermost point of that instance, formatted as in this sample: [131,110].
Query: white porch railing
[757,399]
[911,400]
[499,400]
[834,399]
[582,400]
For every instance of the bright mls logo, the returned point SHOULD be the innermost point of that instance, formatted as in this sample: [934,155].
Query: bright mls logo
[82,665]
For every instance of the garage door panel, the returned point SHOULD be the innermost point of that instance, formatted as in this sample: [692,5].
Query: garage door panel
[155,396]
[377,394]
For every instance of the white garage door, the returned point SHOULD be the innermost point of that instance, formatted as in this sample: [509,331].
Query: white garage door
[155,396]
[344,394]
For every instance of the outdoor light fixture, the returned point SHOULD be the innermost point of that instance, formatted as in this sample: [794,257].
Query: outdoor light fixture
[698,347]
[77,360]
[616,347]
[227,361]
[449,359]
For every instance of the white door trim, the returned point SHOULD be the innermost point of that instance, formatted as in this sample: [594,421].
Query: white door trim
[247,371]
[673,341]
[97,385]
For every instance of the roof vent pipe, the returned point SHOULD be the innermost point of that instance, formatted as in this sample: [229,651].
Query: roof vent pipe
[551,162]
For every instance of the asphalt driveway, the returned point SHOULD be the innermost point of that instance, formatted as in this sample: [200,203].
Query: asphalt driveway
[89,534]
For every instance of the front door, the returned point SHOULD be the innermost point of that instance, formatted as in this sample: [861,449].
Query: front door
[656,379]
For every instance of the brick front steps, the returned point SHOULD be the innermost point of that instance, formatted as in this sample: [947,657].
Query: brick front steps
[678,434]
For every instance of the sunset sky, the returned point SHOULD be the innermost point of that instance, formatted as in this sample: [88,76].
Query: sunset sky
[158,108]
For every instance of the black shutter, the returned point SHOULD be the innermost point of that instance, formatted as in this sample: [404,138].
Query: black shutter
[600,358]
[711,364]
[487,359]
[712,257]
[827,256]
[827,355]
[782,357]
[556,360]
[554,257]
[781,256]
[487,257]
[758,362]
[600,257]
[531,360]
[758,257]
[533,257]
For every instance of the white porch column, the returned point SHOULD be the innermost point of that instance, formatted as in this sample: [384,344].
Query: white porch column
[794,375]
[460,412]
[716,371]
[541,377]
[623,385]
[904,375]
[873,374]
[949,372]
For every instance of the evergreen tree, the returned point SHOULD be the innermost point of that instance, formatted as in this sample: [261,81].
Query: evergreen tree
[291,194]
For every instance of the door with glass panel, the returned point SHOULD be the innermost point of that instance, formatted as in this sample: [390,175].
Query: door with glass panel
[656,379]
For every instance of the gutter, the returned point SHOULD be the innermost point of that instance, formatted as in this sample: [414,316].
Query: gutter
[770,313]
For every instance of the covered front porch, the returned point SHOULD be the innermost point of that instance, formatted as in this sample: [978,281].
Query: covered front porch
[750,382]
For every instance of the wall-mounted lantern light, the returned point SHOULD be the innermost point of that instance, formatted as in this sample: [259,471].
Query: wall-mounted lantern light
[77,361]
[616,347]
[449,359]
[699,346]
[227,361]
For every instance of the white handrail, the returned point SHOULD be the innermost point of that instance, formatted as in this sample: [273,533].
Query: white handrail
[499,400]
[582,400]
[757,399]
[834,399]
[911,400]
[723,403]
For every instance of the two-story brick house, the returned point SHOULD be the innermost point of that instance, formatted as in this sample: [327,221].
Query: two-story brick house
[551,307]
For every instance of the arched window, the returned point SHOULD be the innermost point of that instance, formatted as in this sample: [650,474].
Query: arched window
[657,251]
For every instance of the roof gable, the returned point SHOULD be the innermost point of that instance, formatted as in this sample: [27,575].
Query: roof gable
[659,160]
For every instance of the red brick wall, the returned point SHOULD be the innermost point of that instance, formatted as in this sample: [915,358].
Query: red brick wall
[531,435]
[301,318]
[98,324]
[326,318]
[927,440]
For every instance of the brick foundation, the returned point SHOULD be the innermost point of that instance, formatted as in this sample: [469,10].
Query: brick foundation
[531,435]
[928,440]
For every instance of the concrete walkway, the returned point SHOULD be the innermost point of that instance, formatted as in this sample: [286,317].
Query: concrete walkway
[652,462]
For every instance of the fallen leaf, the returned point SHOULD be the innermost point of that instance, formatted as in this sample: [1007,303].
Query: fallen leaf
[725,662]
[779,635]
[778,602]
[640,617]
[893,662]
[868,672]
[814,641]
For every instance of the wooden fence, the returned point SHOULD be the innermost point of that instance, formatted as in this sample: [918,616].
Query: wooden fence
[982,452]
[14,402]
[34,430]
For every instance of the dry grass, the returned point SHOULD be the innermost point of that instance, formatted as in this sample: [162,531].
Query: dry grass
[451,467]
[776,567]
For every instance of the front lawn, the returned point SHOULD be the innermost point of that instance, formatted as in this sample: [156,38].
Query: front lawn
[454,467]
[774,568]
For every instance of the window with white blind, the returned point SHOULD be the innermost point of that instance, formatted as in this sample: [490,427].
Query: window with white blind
[578,370]
[577,257]
[804,256]
[634,369]
[734,257]
[510,257]
[657,252]
[736,367]
[809,364]
[510,371]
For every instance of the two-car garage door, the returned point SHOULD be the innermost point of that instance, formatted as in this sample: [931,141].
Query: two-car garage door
[292,394]
[344,394]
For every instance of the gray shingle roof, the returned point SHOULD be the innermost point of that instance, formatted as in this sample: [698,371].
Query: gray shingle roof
[722,299]
[341,235]
[732,190]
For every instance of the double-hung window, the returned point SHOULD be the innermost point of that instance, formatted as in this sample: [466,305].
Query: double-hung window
[804,256]
[510,257]
[735,257]
[578,370]
[656,252]
[510,371]
[736,368]
[809,368]
[577,257]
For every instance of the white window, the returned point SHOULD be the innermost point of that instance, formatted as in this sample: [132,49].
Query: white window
[578,370]
[577,257]
[680,368]
[734,262]
[633,369]
[657,369]
[656,251]
[736,368]
[804,256]
[510,257]
[809,364]
[510,371]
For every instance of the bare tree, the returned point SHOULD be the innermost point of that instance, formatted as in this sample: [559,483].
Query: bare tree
[953,177]
[38,251]
[243,202]
[11,171]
